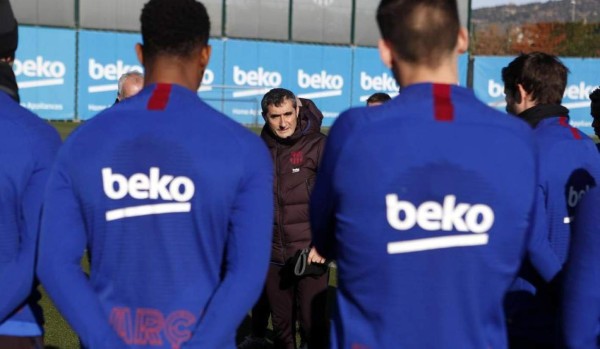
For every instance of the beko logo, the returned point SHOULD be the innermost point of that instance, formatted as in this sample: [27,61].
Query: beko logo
[330,84]
[177,191]
[433,216]
[47,72]
[261,80]
[379,83]
[111,72]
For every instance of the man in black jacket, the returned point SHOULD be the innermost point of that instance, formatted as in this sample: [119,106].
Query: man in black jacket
[292,133]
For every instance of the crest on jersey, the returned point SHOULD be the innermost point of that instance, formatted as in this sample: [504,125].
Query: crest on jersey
[296,157]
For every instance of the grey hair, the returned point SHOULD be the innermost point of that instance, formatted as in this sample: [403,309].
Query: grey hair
[124,77]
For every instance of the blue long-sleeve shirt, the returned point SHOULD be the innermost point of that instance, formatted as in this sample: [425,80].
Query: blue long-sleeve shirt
[29,146]
[173,201]
[417,201]
[581,283]
[569,166]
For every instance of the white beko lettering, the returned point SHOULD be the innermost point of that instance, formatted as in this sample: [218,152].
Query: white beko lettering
[381,83]
[39,68]
[321,81]
[111,71]
[573,199]
[152,186]
[433,216]
[256,78]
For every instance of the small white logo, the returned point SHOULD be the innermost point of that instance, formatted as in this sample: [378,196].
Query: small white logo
[323,3]
[153,186]
[295,170]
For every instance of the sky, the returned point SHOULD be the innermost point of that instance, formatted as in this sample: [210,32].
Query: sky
[490,3]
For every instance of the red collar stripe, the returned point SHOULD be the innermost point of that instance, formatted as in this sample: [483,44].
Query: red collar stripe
[160,97]
[444,110]
[563,122]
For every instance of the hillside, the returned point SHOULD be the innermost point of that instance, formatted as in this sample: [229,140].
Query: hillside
[587,11]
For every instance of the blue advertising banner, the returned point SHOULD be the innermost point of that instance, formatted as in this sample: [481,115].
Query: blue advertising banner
[489,88]
[211,89]
[45,71]
[324,75]
[370,76]
[251,69]
[103,58]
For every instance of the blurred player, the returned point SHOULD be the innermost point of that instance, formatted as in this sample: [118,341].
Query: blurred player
[172,199]
[29,146]
[415,199]
[378,99]
[581,286]
[534,84]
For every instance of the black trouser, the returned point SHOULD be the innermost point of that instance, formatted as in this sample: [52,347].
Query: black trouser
[14,342]
[308,295]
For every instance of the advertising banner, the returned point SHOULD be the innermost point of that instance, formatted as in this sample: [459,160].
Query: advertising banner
[582,80]
[211,89]
[103,58]
[324,75]
[45,71]
[252,68]
[370,76]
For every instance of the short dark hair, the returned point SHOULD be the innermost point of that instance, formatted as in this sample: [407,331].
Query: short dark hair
[276,97]
[595,98]
[419,31]
[541,74]
[174,27]
[378,97]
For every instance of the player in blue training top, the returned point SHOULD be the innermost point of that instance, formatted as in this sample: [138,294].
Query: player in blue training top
[416,198]
[172,199]
[581,283]
[569,166]
[29,146]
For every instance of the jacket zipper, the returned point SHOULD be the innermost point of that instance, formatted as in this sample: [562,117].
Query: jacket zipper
[279,202]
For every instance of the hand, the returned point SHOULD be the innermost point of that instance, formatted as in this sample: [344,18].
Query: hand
[313,256]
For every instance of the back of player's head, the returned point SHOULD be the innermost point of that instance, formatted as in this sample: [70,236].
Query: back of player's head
[419,31]
[378,98]
[174,27]
[9,31]
[541,74]
[277,97]
[595,98]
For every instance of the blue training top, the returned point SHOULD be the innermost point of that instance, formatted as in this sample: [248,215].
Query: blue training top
[569,165]
[29,145]
[173,201]
[581,283]
[416,201]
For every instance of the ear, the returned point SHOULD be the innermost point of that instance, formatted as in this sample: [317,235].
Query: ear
[139,52]
[385,52]
[462,44]
[205,54]
[523,94]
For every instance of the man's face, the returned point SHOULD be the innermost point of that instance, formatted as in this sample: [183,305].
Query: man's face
[513,106]
[282,119]
[131,87]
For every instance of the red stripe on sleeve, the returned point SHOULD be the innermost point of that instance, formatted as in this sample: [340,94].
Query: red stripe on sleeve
[160,97]
[442,104]
[563,122]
